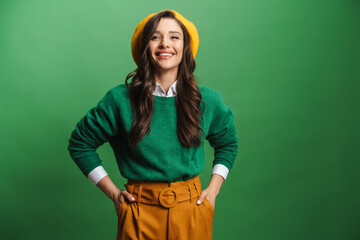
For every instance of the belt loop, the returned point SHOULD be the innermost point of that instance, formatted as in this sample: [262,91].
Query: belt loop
[131,188]
[198,191]
[139,200]
[189,186]
[139,195]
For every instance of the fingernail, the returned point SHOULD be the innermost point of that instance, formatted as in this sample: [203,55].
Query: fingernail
[132,199]
[198,202]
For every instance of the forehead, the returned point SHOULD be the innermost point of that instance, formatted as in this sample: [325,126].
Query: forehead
[168,24]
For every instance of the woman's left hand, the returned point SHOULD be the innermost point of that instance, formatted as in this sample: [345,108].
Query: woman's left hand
[210,195]
[212,190]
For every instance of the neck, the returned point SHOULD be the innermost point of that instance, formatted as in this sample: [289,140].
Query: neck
[166,78]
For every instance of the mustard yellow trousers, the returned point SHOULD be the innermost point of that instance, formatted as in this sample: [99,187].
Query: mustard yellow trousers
[165,211]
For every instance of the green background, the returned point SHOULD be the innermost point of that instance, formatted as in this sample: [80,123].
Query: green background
[290,71]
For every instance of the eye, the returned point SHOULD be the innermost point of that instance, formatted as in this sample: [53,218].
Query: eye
[154,37]
[176,37]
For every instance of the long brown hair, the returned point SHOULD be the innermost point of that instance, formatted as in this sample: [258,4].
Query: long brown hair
[188,97]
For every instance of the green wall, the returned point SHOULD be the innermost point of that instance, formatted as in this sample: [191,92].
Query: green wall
[290,71]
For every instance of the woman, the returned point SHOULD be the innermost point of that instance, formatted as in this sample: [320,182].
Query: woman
[156,126]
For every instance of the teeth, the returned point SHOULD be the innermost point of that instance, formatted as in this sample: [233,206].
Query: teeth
[165,54]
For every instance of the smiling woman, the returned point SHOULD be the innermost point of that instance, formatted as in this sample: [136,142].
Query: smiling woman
[163,198]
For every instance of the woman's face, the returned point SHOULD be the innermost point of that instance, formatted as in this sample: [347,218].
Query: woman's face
[166,45]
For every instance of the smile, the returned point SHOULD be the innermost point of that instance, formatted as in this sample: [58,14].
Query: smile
[164,55]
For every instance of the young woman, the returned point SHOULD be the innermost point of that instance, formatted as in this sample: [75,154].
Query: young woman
[156,126]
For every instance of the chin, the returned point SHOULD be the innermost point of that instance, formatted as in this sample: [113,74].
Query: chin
[166,67]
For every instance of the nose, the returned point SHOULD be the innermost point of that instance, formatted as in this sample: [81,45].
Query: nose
[164,43]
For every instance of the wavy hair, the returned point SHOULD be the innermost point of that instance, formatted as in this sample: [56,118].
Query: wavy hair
[188,97]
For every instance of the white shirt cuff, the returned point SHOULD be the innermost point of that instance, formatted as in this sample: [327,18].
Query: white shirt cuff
[97,174]
[221,169]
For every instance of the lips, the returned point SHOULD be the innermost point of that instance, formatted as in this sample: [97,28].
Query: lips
[165,53]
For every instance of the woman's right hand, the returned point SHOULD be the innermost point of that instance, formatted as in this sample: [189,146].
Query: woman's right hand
[114,193]
[120,197]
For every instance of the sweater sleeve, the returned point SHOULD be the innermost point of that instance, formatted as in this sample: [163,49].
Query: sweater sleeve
[92,131]
[222,133]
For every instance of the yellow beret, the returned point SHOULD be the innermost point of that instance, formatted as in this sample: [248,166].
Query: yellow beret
[136,38]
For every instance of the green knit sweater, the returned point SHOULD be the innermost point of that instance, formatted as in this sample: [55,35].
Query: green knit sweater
[159,156]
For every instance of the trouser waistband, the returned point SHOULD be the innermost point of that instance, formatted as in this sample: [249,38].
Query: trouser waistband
[162,193]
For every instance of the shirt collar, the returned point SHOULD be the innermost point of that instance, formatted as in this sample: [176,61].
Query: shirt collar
[159,91]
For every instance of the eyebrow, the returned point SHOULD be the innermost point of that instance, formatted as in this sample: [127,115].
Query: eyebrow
[170,32]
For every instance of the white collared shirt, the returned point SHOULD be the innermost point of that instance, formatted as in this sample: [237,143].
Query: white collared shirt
[159,91]
[99,172]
